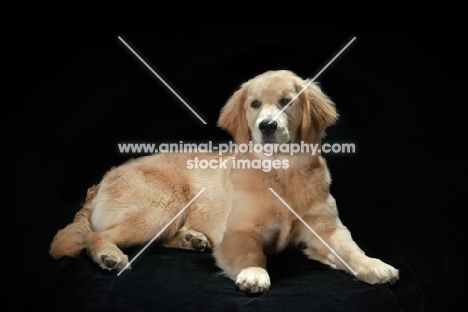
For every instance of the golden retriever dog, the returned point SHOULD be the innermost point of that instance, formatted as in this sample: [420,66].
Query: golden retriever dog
[242,215]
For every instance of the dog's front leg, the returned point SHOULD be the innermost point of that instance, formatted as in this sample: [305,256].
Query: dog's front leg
[241,257]
[342,252]
[331,243]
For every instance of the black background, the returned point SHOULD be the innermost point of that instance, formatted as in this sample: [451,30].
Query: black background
[399,88]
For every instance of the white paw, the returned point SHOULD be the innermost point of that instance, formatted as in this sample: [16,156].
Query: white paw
[253,280]
[374,271]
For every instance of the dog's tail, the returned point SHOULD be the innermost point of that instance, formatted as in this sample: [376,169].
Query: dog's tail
[71,240]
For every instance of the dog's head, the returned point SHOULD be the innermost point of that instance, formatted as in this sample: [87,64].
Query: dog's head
[255,111]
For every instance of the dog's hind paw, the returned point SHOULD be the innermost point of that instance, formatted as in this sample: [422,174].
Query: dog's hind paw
[194,240]
[113,262]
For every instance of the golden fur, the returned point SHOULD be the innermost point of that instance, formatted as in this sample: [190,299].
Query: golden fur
[237,215]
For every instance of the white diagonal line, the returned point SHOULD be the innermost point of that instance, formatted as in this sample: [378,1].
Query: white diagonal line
[162,230]
[310,82]
[312,230]
[162,80]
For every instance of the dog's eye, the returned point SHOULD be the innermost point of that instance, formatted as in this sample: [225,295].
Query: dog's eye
[284,101]
[255,104]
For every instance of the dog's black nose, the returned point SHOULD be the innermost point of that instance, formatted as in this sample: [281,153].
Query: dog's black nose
[268,128]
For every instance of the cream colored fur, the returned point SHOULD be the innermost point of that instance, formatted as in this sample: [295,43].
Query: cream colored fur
[237,215]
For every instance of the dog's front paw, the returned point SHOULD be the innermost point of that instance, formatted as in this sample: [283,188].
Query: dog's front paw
[375,271]
[253,280]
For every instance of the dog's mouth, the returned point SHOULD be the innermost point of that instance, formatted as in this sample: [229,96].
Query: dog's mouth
[274,141]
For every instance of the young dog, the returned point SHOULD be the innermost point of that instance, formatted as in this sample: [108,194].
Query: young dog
[240,214]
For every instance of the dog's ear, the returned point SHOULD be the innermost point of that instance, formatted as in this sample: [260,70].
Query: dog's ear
[318,111]
[233,118]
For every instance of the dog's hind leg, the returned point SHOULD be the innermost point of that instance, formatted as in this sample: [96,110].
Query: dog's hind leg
[103,248]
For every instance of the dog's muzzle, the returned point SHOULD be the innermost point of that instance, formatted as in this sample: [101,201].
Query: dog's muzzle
[268,128]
